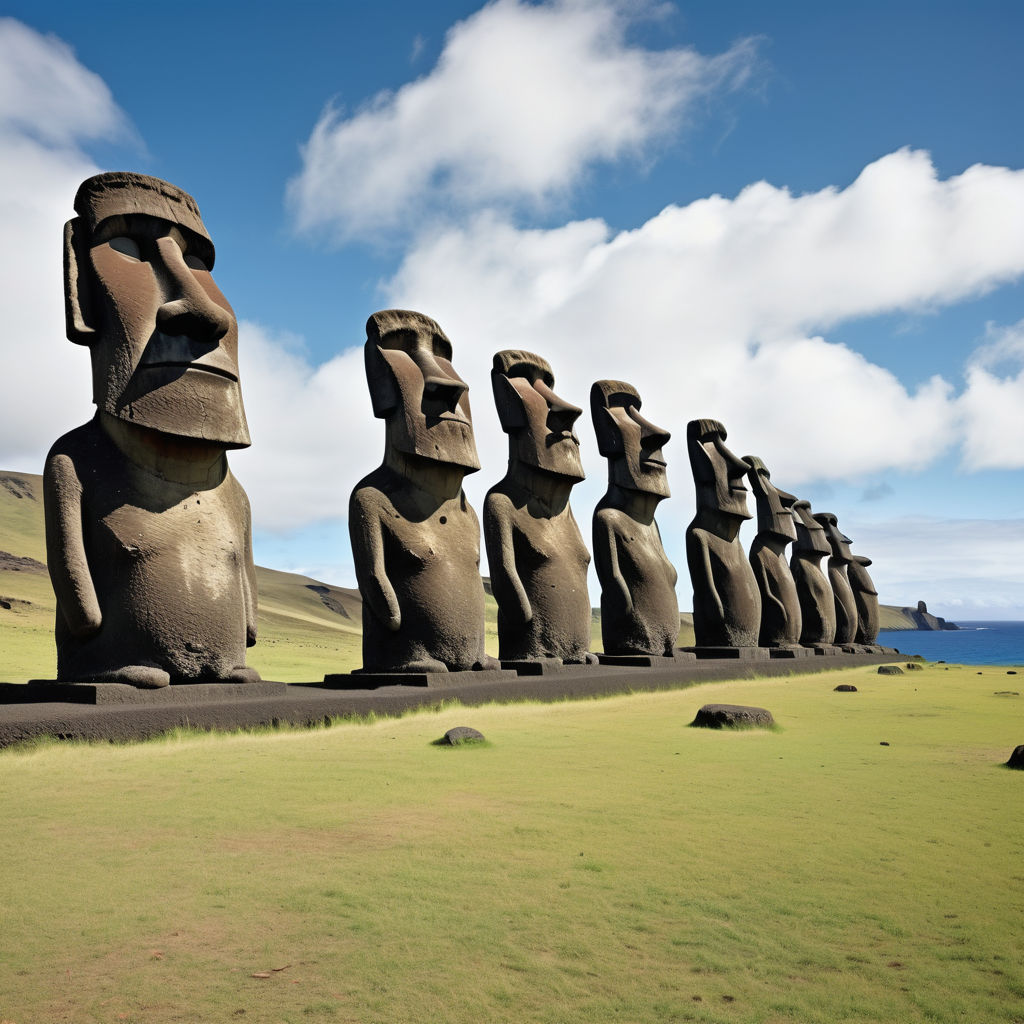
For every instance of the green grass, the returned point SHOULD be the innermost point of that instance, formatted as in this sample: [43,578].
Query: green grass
[593,861]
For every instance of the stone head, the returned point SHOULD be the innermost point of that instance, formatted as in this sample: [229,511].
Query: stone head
[632,444]
[539,424]
[138,292]
[810,534]
[717,472]
[859,574]
[774,506]
[839,543]
[415,389]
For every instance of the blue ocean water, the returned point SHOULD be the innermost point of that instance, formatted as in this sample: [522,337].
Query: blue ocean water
[974,643]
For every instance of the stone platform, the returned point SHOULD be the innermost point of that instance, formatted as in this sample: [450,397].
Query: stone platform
[24,716]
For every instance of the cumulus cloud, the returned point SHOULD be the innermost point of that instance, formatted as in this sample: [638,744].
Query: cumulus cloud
[992,406]
[523,99]
[709,309]
[50,105]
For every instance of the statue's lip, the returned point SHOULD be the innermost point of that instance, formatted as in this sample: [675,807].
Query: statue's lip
[652,461]
[205,367]
[451,417]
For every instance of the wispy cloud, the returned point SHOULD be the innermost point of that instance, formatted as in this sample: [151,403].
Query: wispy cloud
[523,100]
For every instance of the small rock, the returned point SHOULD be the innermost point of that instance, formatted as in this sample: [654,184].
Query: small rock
[1011,671]
[890,670]
[914,666]
[845,688]
[461,734]
[717,716]
[1016,758]
[883,743]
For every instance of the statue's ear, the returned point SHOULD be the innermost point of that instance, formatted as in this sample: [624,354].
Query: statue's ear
[701,464]
[381,380]
[609,434]
[509,404]
[78,283]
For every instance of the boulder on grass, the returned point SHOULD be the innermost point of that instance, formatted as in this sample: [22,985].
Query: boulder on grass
[1017,758]
[459,735]
[890,670]
[845,688]
[732,716]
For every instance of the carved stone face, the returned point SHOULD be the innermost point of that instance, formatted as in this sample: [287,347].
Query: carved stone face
[839,543]
[632,443]
[810,536]
[164,341]
[718,473]
[774,507]
[539,423]
[415,388]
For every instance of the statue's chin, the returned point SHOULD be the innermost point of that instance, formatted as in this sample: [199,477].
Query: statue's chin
[191,404]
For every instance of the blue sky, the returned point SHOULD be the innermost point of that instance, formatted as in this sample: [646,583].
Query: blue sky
[542,176]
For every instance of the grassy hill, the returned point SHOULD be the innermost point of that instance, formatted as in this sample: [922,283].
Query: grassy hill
[306,627]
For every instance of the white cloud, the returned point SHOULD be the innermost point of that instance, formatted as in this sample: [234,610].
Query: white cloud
[49,105]
[523,99]
[708,308]
[993,404]
[313,430]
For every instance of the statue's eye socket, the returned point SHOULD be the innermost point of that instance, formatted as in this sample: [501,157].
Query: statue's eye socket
[126,246]
[194,262]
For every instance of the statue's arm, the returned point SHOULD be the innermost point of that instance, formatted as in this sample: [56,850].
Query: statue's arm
[367,535]
[506,584]
[698,556]
[65,548]
[249,578]
[606,561]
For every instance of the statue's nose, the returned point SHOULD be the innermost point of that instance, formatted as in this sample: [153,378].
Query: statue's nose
[443,393]
[188,311]
[561,414]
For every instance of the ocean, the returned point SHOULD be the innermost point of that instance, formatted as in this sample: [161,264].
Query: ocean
[974,643]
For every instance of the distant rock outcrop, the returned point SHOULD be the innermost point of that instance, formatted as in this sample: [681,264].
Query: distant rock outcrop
[925,620]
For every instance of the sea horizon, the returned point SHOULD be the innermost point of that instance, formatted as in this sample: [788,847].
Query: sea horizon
[975,642]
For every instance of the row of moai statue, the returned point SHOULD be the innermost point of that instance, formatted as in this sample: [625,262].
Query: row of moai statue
[149,538]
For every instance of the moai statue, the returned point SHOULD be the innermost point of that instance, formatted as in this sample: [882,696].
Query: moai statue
[415,537]
[639,608]
[537,558]
[866,597]
[839,558]
[726,600]
[817,606]
[148,534]
[776,530]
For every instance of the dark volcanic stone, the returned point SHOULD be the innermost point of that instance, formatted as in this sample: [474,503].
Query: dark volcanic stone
[914,666]
[1016,758]
[718,716]
[461,734]
[890,670]
[845,688]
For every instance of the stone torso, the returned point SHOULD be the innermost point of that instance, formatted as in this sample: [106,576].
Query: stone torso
[168,564]
[651,625]
[780,604]
[551,561]
[846,605]
[817,606]
[726,600]
[433,565]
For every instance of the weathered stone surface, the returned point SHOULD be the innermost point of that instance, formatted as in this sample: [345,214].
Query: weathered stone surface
[726,599]
[817,606]
[914,667]
[890,670]
[842,592]
[845,688]
[639,608]
[781,621]
[718,716]
[461,734]
[865,595]
[148,533]
[1016,758]
[415,537]
[537,556]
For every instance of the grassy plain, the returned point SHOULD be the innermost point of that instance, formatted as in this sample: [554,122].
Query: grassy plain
[594,861]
